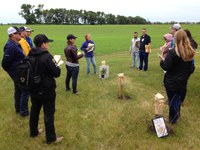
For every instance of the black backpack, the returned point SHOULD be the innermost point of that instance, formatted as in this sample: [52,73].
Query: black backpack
[29,73]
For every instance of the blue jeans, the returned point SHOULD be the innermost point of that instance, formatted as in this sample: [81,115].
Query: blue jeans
[91,59]
[143,57]
[135,56]
[174,101]
[72,72]
[21,97]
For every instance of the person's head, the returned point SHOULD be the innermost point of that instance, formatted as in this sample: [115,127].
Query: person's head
[14,33]
[41,40]
[88,37]
[71,39]
[135,34]
[29,31]
[144,31]
[192,41]
[175,28]
[23,32]
[183,47]
[168,37]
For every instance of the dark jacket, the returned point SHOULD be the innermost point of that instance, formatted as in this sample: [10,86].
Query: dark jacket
[71,54]
[85,46]
[13,53]
[144,40]
[48,68]
[178,71]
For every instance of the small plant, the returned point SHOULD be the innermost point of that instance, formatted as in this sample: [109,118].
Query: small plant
[103,72]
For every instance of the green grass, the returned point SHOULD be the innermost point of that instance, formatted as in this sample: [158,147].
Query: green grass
[96,119]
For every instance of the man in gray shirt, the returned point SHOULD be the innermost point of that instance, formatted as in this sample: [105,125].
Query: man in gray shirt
[134,50]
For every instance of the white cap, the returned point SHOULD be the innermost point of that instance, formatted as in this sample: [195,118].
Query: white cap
[176,26]
[28,29]
[12,30]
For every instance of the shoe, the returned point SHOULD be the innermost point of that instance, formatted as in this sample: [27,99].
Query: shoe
[76,93]
[40,131]
[58,139]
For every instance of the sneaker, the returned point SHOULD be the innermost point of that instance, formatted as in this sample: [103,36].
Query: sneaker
[58,139]
[40,131]
[68,89]
[76,93]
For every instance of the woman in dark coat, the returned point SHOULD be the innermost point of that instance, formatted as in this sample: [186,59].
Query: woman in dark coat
[178,64]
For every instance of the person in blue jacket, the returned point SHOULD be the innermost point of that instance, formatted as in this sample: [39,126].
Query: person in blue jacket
[13,53]
[88,47]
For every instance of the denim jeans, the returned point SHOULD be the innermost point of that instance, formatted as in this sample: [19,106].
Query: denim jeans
[91,59]
[47,101]
[21,97]
[143,57]
[174,101]
[72,72]
[135,59]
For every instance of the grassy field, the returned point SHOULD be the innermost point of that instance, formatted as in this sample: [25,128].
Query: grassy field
[97,119]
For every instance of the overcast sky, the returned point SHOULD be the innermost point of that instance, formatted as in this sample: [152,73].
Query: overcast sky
[152,10]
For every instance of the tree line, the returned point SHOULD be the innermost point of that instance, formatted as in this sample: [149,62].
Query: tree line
[39,15]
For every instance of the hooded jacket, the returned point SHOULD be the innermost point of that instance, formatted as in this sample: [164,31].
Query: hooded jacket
[167,45]
[49,70]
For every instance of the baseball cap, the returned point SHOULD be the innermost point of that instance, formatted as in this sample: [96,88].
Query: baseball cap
[12,30]
[22,28]
[176,26]
[71,36]
[28,29]
[40,39]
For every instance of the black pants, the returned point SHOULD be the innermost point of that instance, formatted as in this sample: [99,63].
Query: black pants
[72,72]
[46,100]
[143,58]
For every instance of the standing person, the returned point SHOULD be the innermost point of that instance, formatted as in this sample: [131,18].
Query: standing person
[45,94]
[24,44]
[88,48]
[13,53]
[174,29]
[194,46]
[192,41]
[134,50]
[178,64]
[145,41]
[165,48]
[28,39]
[72,64]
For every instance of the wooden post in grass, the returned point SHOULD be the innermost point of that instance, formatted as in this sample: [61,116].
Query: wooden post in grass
[159,104]
[121,85]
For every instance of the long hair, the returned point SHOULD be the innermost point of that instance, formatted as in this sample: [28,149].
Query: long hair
[192,41]
[183,47]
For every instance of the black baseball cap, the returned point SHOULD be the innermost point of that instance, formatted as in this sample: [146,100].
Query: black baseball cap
[40,39]
[22,29]
[71,36]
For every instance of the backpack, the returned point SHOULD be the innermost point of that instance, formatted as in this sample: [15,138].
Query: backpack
[29,73]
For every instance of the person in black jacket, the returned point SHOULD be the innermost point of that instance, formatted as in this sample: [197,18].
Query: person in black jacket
[178,64]
[45,93]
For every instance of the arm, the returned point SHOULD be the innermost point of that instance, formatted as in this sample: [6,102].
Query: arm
[52,67]
[167,64]
[74,53]
[84,47]
[7,57]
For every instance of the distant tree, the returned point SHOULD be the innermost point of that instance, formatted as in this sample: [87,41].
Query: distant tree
[39,13]
[28,14]
[110,19]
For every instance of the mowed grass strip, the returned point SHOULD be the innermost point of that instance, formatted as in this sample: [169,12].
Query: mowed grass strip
[97,119]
